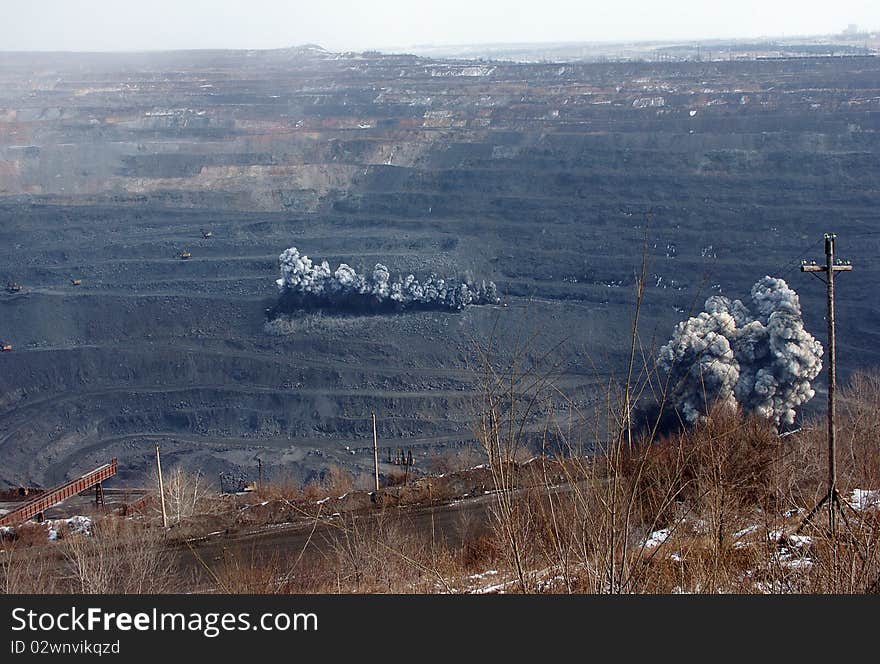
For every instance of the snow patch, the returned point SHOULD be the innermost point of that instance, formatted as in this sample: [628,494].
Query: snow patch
[800,540]
[75,524]
[862,499]
[745,531]
[657,538]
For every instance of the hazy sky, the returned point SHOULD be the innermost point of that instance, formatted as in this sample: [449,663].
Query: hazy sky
[348,24]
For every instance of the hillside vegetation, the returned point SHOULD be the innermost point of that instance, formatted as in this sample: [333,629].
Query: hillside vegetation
[716,507]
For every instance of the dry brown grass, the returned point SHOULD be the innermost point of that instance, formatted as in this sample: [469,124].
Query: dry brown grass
[117,556]
[725,494]
[710,509]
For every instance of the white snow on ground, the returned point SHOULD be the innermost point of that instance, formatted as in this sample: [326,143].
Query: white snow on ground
[794,555]
[547,585]
[657,538]
[493,581]
[738,535]
[798,563]
[862,499]
[496,588]
[75,524]
[474,583]
[794,559]
[800,540]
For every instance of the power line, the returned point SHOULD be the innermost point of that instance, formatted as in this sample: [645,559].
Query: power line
[797,262]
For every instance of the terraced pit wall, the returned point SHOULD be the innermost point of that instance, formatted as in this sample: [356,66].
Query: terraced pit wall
[546,178]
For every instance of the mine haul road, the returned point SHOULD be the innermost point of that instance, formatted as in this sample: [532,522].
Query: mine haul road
[451,522]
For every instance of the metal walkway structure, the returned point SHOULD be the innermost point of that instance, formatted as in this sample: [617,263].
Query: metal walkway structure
[44,501]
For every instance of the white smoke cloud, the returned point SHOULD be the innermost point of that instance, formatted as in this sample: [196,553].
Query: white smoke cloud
[763,362]
[306,284]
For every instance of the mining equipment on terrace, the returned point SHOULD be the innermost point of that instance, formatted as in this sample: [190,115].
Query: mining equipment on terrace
[13,287]
[185,255]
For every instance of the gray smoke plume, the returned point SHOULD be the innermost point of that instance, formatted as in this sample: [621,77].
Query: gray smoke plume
[764,362]
[304,284]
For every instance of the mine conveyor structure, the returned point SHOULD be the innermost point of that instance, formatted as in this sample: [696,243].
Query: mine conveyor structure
[45,500]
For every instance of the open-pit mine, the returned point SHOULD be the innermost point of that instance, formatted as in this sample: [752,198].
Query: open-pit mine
[145,200]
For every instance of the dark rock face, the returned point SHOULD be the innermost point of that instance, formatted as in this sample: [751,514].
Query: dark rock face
[547,179]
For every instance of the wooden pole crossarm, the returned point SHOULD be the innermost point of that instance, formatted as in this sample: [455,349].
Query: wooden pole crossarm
[822,268]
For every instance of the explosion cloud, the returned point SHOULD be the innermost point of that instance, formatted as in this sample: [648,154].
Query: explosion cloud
[764,362]
[304,284]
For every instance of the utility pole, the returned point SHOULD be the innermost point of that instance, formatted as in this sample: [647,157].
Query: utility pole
[161,488]
[375,453]
[832,265]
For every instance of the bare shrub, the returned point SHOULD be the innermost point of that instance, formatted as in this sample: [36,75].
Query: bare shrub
[456,459]
[186,494]
[395,477]
[284,488]
[338,481]
[380,554]
[252,574]
[26,570]
[117,557]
